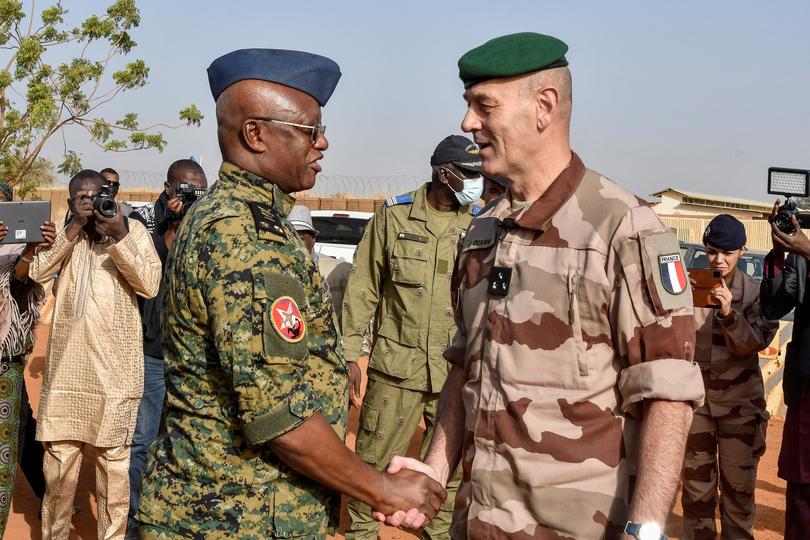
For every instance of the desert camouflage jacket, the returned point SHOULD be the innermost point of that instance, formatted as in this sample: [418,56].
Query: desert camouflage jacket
[252,350]
[727,352]
[571,312]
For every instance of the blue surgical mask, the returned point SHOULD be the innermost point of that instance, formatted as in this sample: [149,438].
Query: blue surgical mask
[471,190]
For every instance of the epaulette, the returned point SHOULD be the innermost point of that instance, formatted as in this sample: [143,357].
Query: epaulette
[266,219]
[405,198]
[476,209]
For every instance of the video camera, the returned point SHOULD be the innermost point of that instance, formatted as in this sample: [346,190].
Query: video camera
[104,201]
[789,183]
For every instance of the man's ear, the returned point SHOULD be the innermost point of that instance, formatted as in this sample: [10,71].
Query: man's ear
[253,136]
[547,104]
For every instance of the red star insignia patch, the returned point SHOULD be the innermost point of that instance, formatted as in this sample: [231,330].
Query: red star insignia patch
[287,320]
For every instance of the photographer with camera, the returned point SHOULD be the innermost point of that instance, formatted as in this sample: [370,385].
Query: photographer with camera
[783,289]
[93,378]
[181,173]
[185,182]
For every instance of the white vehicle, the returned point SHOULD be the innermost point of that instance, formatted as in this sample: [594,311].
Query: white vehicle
[339,232]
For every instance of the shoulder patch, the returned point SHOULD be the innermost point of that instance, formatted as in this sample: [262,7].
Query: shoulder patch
[475,209]
[405,198]
[267,220]
[666,276]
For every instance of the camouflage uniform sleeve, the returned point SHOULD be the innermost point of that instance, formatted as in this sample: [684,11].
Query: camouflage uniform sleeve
[748,332]
[364,287]
[652,324]
[243,276]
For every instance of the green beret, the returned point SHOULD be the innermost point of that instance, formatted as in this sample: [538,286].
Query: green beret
[508,56]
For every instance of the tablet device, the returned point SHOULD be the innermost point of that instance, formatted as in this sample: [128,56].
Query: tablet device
[24,219]
[705,282]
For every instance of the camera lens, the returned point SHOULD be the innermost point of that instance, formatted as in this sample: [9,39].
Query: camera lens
[783,222]
[106,207]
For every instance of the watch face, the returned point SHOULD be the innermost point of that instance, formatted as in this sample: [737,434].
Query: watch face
[649,531]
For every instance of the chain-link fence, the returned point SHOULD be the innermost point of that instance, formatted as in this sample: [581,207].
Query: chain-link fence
[328,185]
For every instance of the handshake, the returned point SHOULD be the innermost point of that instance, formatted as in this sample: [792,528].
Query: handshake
[412,494]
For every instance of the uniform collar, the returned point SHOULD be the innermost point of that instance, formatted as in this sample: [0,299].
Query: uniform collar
[419,208]
[252,187]
[538,216]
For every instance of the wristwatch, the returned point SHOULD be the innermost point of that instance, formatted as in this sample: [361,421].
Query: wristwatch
[645,531]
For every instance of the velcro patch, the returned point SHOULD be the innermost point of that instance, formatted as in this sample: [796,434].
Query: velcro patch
[413,237]
[267,220]
[482,235]
[664,271]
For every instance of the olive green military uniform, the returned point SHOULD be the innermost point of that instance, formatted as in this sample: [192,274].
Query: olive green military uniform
[252,350]
[402,271]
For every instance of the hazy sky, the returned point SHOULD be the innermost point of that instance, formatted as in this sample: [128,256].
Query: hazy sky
[699,95]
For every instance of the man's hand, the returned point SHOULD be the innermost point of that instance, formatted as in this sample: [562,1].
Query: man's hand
[354,385]
[83,209]
[722,295]
[413,495]
[113,227]
[3,230]
[796,242]
[412,518]
[175,205]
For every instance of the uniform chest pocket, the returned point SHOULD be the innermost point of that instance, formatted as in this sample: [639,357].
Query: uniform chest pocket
[409,263]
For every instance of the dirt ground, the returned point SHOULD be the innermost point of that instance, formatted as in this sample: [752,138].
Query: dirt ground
[24,522]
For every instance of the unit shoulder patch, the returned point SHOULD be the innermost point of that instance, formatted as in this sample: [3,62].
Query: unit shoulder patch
[287,319]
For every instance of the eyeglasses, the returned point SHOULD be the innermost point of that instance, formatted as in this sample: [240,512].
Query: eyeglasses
[315,131]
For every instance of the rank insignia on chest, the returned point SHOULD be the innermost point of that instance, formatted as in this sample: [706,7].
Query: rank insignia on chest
[673,276]
[499,280]
[287,320]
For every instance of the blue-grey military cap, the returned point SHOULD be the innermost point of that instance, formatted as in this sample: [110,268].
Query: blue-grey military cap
[310,73]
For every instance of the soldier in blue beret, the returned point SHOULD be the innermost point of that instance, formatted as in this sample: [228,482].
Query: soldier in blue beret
[572,382]
[257,396]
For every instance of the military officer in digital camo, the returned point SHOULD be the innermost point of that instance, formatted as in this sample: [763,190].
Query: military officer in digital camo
[402,272]
[256,382]
[573,381]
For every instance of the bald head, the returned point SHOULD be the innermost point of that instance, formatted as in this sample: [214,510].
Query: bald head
[284,154]
[253,99]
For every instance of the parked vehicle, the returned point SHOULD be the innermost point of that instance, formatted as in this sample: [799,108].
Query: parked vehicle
[752,261]
[339,232]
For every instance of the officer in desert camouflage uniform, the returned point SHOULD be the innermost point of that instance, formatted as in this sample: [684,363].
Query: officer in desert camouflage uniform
[729,429]
[573,381]
[402,271]
[256,382]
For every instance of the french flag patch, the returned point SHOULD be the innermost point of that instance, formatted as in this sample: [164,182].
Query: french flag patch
[673,276]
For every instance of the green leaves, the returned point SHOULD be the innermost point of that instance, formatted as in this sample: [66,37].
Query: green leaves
[191,115]
[132,76]
[70,92]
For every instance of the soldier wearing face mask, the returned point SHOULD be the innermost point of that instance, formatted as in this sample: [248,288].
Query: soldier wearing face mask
[401,278]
